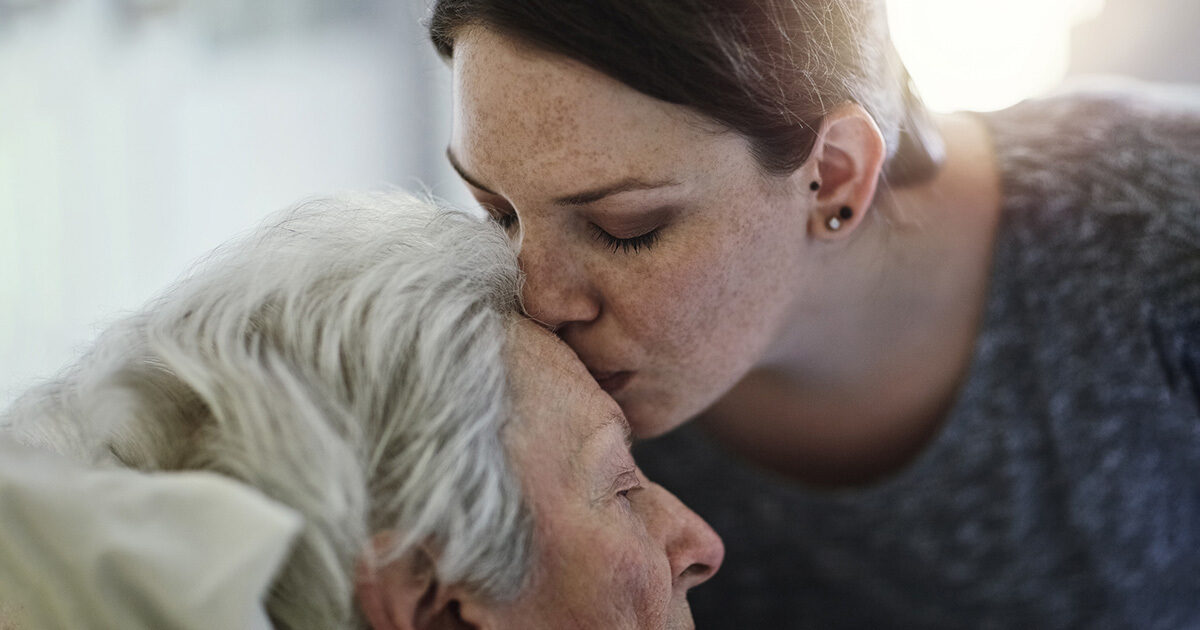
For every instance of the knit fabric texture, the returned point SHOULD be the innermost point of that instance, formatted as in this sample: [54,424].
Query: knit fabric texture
[1063,490]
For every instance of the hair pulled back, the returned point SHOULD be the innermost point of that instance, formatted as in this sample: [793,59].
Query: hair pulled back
[768,69]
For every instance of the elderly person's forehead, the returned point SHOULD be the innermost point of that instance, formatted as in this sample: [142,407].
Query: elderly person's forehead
[533,349]
[547,375]
[614,421]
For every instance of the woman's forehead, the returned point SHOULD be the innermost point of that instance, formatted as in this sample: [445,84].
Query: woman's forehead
[521,111]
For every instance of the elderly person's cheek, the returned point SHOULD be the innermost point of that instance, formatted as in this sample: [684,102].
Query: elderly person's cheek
[624,578]
[643,573]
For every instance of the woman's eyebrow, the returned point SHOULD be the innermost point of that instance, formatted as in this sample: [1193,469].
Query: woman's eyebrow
[624,185]
[574,199]
[463,174]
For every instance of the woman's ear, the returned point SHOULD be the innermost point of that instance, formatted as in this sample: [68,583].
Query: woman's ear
[849,153]
[405,594]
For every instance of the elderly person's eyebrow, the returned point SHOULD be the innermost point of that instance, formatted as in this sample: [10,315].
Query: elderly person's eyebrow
[614,418]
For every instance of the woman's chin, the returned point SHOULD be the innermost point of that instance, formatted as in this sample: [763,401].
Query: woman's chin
[650,416]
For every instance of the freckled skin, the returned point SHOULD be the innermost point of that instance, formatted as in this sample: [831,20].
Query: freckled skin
[601,561]
[745,311]
[690,315]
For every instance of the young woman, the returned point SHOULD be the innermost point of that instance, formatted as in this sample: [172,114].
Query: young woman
[945,367]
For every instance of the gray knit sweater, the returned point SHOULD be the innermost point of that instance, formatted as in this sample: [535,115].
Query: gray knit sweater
[1064,488]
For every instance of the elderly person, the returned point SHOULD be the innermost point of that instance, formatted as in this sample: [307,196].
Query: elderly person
[361,362]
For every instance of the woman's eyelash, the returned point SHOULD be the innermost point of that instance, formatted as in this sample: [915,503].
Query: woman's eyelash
[505,219]
[508,219]
[625,245]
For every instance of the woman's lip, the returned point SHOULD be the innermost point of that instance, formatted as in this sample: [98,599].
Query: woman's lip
[612,382]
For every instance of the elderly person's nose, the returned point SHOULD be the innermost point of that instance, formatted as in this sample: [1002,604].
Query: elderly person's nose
[694,550]
[557,290]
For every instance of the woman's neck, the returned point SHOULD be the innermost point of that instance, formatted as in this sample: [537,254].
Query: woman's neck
[871,360]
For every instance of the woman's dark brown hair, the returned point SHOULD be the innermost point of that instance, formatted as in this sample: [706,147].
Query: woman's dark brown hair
[767,69]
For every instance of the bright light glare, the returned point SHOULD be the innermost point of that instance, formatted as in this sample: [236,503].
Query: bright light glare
[977,55]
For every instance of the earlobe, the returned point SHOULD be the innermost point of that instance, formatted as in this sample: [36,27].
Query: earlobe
[849,155]
[834,223]
[405,594]
[392,596]
[369,595]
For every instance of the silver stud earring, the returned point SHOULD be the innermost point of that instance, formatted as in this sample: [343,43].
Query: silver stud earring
[834,224]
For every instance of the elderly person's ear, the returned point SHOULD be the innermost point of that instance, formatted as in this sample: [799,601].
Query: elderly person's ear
[405,594]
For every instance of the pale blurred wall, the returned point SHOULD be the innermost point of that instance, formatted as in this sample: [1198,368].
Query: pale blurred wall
[1156,40]
[135,135]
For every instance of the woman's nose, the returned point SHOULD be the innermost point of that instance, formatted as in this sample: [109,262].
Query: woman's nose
[557,291]
[694,550]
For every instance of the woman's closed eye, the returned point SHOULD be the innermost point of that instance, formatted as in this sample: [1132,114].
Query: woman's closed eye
[506,217]
[625,245]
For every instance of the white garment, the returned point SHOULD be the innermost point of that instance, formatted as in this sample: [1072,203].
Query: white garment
[115,548]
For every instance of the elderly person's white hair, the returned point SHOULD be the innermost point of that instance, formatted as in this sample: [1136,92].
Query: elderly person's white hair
[347,360]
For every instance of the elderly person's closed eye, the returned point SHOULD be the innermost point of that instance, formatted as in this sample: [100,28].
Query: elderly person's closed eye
[363,361]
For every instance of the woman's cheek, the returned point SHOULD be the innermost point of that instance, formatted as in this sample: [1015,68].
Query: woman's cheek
[679,298]
[718,298]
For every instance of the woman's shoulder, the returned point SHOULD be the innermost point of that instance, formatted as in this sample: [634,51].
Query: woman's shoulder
[1080,110]
[1102,141]
[1102,152]
[1101,185]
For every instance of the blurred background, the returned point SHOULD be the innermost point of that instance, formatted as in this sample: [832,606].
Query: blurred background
[135,135]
